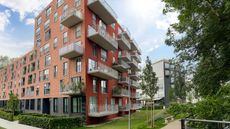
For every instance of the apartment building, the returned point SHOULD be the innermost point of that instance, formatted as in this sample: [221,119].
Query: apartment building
[76,41]
[163,69]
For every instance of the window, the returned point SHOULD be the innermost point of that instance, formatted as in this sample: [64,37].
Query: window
[55,71]
[94,20]
[77,3]
[55,17]
[47,60]
[39,21]
[46,74]
[48,35]
[65,9]
[40,51]
[61,27]
[59,2]
[38,104]
[32,91]
[27,104]
[76,79]
[94,85]
[48,12]
[32,104]
[37,32]
[55,43]
[40,76]
[47,24]
[38,65]
[65,68]
[46,48]
[92,65]
[113,26]
[78,64]
[94,50]
[55,105]
[119,30]
[78,31]
[61,86]
[47,89]
[76,105]
[104,86]
[93,104]
[37,91]
[65,105]
[65,37]
[103,55]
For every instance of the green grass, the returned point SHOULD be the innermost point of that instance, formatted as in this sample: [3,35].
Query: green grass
[138,121]
[2,128]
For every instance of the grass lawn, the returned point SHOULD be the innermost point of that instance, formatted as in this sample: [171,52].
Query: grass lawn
[2,128]
[137,122]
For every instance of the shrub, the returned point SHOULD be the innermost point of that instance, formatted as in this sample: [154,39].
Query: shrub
[50,122]
[6,115]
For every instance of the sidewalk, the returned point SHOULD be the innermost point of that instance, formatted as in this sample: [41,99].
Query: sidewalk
[14,125]
[173,125]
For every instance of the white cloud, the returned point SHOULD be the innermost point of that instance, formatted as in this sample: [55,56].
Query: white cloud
[11,47]
[25,7]
[4,19]
[30,21]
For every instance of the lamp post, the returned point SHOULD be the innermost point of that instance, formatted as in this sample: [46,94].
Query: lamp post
[129,118]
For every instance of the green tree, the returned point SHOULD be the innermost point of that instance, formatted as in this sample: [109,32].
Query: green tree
[13,103]
[202,36]
[149,84]
[4,60]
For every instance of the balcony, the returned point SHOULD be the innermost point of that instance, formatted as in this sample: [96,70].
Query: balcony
[121,66]
[136,95]
[136,106]
[136,56]
[103,71]
[123,80]
[123,43]
[102,38]
[71,51]
[134,75]
[124,55]
[135,47]
[134,64]
[70,90]
[126,32]
[102,110]
[134,84]
[71,17]
[119,92]
[103,10]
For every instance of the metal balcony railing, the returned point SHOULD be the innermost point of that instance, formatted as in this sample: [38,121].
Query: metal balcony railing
[102,110]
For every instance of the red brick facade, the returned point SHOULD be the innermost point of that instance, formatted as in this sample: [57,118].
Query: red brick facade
[44,87]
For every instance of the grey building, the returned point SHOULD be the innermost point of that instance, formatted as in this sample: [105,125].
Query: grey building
[163,68]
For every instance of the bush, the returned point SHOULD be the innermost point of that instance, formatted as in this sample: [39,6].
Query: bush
[6,115]
[50,122]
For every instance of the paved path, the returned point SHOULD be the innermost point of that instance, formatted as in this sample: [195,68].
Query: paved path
[14,125]
[173,125]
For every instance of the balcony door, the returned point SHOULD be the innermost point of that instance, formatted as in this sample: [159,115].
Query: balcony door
[102,28]
[113,104]
[106,104]
[93,104]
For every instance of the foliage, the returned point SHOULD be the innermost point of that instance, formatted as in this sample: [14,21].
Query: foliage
[4,60]
[13,103]
[149,80]
[202,36]
[6,115]
[51,122]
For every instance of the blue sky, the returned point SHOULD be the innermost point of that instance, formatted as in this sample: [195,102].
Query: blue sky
[144,19]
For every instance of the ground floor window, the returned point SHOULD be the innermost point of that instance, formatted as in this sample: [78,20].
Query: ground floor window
[77,105]
[27,104]
[32,104]
[55,105]
[39,104]
[93,104]
[65,105]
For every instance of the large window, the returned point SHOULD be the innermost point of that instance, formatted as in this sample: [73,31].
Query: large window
[55,17]
[39,21]
[47,60]
[94,50]
[55,71]
[94,85]
[78,31]
[48,34]
[78,64]
[55,43]
[55,105]
[38,104]
[93,104]
[48,12]
[59,2]
[77,3]
[65,9]
[94,20]
[37,91]
[65,105]
[76,105]
[65,68]
[61,84]
[46,74]
[31,91]
[32,104]
[47,89]
[47,24]
[103,55]
[92,65]
[104,88]
[65,37]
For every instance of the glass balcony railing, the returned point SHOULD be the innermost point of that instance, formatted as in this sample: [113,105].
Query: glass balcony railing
[124,55]
[121,66]
[102,110]
[72,17]
[72,50]
[123,43]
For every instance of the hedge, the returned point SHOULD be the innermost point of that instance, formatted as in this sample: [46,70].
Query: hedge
[6,115]
[51,122]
